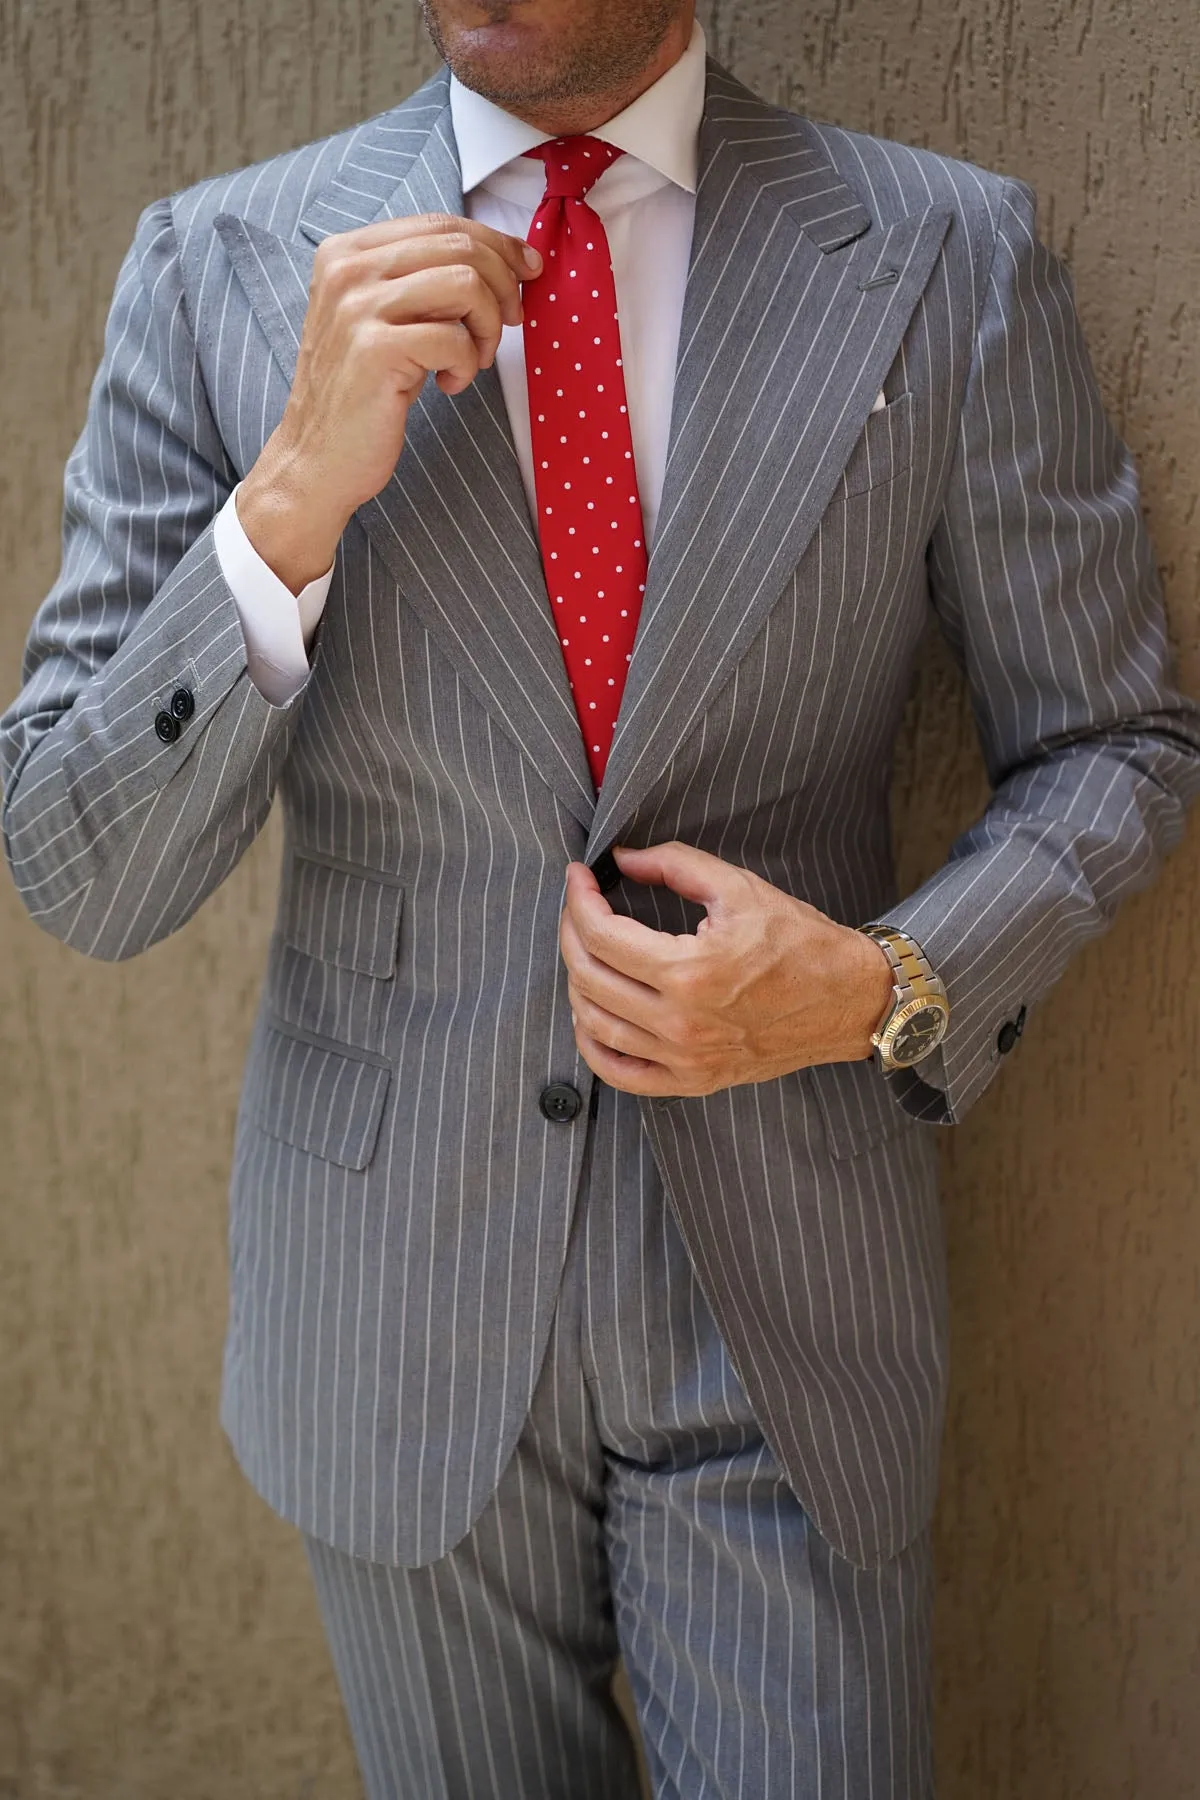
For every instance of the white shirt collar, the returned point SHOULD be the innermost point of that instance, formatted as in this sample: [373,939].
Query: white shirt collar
[661,128]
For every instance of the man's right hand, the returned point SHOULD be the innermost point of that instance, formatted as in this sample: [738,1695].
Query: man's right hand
[389,304]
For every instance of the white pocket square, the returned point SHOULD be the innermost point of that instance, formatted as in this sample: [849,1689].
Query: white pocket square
[880,402]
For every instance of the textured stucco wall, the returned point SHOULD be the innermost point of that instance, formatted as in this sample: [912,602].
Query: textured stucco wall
[156,1632]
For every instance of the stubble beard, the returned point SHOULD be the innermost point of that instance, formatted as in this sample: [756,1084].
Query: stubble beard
[591,67]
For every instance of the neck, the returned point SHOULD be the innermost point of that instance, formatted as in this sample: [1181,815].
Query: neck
[573,118]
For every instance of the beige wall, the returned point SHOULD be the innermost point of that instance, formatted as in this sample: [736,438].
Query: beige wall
[157,1637]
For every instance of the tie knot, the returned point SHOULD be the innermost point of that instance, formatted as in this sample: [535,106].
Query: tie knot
[573,165]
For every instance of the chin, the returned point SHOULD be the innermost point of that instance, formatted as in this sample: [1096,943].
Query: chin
[506,63]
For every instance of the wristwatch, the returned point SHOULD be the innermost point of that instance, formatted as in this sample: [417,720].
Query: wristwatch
[919,1016]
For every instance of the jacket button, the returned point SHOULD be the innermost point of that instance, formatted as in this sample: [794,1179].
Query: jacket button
[560,1103]
[166,727]
[606,871]
[1008,1038]
[182,705]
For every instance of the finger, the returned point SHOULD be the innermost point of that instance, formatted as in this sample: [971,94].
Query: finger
[613,1032]
[693,874]
[455,292]
[616,993]
[522,258]
[414,256]
[447,350]
[620,942]
[629,1074]
[584,879]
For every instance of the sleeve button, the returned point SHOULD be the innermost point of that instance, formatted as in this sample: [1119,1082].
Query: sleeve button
[166,728]
[182,704]
[1007,1040]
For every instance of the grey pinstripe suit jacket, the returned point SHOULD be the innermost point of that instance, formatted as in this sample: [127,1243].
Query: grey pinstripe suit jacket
[400,1207]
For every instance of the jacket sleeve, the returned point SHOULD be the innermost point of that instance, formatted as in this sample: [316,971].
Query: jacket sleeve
[1044,583]
[115,829]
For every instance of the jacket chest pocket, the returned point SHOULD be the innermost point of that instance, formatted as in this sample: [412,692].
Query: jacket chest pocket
[883,451]
[333,969]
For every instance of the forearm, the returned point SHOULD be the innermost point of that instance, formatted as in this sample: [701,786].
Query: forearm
[114,834]
[279,510]
[1064,841]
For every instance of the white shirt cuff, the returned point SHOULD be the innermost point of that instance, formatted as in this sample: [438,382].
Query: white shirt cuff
[278,625]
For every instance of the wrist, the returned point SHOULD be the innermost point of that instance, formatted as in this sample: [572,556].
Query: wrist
[869,989]
[919,1017]
[285,522]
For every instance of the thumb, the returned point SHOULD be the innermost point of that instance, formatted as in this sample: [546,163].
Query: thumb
[692,874]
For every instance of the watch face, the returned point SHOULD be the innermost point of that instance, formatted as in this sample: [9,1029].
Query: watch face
[918,1034]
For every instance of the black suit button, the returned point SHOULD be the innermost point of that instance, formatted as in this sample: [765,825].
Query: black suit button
[166,727]
[606,871]
[560,1103]
[182,705]
[1008,1038]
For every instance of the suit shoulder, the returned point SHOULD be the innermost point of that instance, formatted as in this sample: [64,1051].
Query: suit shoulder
[271,193]
[891,179]
[275,193]
[895,178]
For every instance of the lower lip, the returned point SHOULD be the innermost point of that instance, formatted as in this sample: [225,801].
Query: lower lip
[496,37]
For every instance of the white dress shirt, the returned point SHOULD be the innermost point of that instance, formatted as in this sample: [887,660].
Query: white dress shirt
[647,202]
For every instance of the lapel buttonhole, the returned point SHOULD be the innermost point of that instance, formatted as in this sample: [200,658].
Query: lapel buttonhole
[881,278]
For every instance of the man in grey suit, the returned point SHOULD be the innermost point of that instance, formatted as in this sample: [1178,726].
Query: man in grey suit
[587,1277]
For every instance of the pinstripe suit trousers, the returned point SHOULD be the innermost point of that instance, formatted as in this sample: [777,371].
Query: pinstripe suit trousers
[642,1515]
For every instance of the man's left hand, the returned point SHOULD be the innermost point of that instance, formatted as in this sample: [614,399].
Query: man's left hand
[766,985]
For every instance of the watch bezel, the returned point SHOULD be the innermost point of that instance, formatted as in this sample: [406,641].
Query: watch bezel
[900,1015]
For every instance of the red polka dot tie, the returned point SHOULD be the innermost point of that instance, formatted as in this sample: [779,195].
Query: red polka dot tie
[589,509]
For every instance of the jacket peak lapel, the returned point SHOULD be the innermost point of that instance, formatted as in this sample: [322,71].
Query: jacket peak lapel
[787,338]
[453,523]
[413,139]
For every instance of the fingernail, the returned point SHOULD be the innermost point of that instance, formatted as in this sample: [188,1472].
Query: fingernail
[533,258]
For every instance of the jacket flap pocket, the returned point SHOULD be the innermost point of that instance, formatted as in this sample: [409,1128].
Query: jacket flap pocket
[320,1097]
[883,451]
[857,1109]
[343,914]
